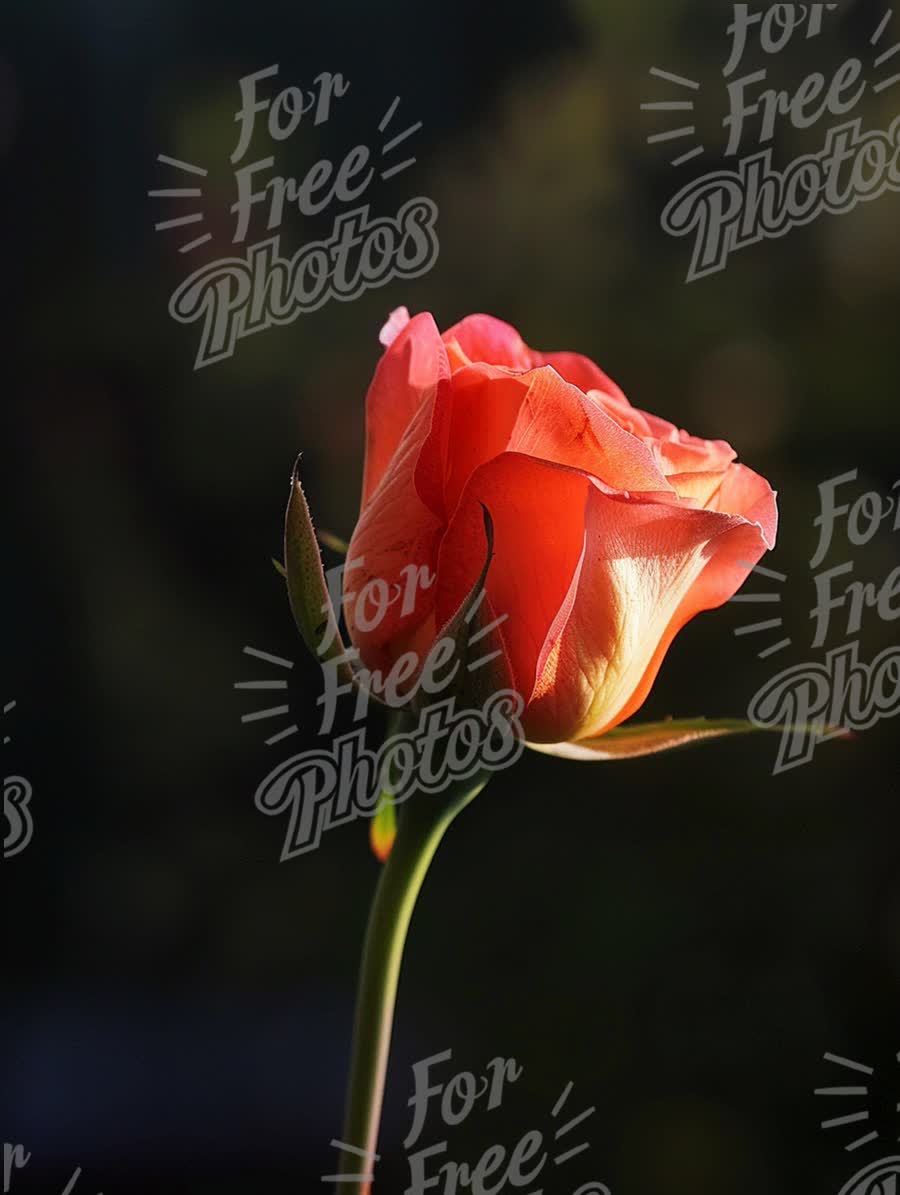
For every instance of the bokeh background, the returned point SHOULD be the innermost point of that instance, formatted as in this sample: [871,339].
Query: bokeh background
[683,937]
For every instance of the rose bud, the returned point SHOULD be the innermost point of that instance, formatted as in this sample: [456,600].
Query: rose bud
[611,528]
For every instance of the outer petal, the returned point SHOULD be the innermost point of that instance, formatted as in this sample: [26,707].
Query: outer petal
[494,342]
[538,514]
[484,338]
[396,534]
[747,493]
[647,568]
[393,326]
[581,372]
[405,377]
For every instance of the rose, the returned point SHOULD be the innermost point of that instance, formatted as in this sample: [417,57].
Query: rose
[612,528]
[566,534]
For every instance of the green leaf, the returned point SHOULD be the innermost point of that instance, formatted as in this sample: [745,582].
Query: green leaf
[329,540]
[383,829]
[308,593]
[649,738]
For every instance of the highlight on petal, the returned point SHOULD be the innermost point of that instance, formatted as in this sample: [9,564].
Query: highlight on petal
[394,325]
[699,489]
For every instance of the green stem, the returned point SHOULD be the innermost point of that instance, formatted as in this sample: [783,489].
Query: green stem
[423,824]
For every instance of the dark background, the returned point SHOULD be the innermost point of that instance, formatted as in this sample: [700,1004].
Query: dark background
[683,937]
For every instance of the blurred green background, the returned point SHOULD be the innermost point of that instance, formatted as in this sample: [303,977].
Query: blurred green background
[683,937]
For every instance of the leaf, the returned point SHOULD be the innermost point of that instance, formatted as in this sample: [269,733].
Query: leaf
[383,829]
[329,540]
[650,738]
[279,568]
[308,593]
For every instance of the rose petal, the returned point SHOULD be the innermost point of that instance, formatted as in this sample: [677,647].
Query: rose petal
[455,354]
[485,410]
[405,377]
[699,488]
[684,453]
[473,418]
[677,451]
[619,408]
[558,422]
[394,325]
[395,531]
[537,509]
[747,493]
[580,371]
[484,338]
[646,570]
